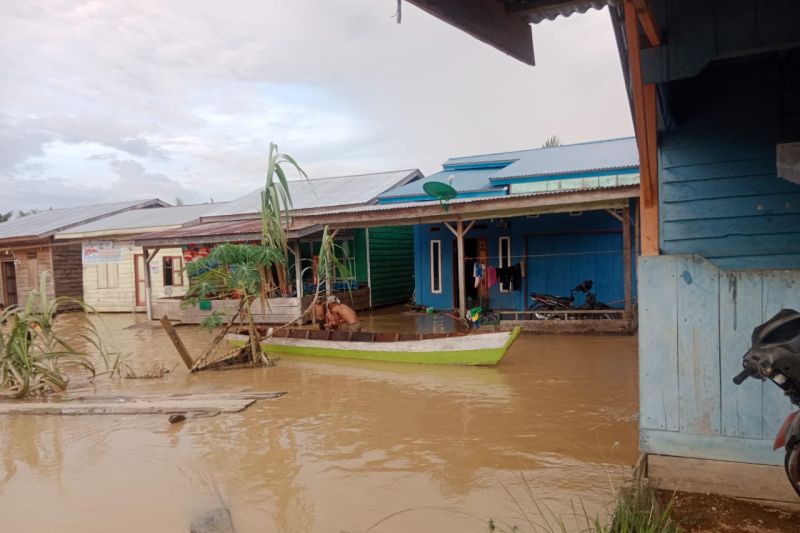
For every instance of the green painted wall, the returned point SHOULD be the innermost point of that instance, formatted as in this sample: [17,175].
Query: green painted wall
[391,251]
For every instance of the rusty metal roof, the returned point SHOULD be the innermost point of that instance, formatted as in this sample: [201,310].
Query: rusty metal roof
[213,232]
[536,11]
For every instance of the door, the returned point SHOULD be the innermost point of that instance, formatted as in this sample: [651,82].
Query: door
[9,274]
[138,272]
[475,250]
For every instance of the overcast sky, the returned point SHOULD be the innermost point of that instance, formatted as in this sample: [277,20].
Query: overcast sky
[108,100]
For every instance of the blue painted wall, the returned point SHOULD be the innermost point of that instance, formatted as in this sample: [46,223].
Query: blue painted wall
[560,251]
[719,191]
[695,322]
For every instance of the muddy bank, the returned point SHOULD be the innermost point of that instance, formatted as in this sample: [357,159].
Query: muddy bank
[352,442]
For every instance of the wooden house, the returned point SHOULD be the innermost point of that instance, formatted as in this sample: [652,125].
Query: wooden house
[381,259]
[554,216]
[28,248]
[112,265]
[713,87]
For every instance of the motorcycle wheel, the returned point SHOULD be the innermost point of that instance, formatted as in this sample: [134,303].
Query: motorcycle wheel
[540,307]
[791,464]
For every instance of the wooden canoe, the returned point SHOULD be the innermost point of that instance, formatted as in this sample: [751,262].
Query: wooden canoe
[479,348]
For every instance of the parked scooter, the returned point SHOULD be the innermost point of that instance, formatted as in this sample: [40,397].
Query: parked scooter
[775,355]
[548,302]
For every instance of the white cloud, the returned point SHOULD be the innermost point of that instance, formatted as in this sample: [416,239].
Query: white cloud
[187,95]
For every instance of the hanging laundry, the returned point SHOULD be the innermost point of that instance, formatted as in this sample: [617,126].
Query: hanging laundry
[478,273]
[510,277]
[516,275]
[491,276]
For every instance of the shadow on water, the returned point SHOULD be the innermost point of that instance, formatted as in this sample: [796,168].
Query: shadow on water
[352,442]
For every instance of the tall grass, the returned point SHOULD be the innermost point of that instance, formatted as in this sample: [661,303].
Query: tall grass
[35,353]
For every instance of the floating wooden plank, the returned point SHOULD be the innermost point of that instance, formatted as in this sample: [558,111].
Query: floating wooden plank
[126,408]
[232,402]
[267,395]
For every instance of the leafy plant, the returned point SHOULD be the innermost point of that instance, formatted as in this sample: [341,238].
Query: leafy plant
[245,272]
[34,352]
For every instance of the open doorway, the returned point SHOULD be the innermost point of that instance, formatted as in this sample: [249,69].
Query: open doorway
[475,250]
[9,283]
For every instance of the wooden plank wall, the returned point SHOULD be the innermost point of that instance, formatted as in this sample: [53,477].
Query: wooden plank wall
[391,259]
[67,269]
[720,194]
[695,324]
[120,295]
[30,263]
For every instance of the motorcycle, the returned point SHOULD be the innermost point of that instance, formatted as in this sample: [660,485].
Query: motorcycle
[775,355]
[549,302]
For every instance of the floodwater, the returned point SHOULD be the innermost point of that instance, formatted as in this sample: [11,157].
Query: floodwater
[354,446]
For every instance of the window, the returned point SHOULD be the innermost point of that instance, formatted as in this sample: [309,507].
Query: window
[436,267]
[107,275]
[505,259]
[173,271]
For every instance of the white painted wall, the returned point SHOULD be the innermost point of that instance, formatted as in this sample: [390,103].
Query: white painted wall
[111,287]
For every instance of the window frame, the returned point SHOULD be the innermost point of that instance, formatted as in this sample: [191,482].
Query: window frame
[504,264]
[436,261]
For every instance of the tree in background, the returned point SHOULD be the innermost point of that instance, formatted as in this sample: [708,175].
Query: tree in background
[552,142]
[5,216]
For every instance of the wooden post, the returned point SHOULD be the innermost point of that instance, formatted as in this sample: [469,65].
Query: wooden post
[462,285]
[148,290]
[644,116]
[369,268]
[173,336]
[328,276]
[626,257]
[298,268]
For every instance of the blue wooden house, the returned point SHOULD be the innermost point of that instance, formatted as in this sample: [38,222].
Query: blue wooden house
[714,87]
[543,220]
[555,251]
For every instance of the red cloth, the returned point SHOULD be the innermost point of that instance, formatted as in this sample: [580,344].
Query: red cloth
[491,276]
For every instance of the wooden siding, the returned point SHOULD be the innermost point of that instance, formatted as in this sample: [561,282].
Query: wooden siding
[719,191]
[560,251]
[700,31]
[695,322]
[391,256]
[112,288]
[67,275]
[28,270]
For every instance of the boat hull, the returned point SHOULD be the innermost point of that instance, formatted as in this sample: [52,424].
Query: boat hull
[480,349]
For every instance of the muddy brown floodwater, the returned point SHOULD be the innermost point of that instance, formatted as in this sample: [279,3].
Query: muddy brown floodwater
[422,448]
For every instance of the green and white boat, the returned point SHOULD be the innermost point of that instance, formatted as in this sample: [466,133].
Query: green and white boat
[477,348]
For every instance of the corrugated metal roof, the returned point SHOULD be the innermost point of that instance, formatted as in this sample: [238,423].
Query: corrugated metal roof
[143,218]
[326,192]
[403,205]
[573,158]
[535,12]
[463,181]
[565,159]
[209,231]
[46,223]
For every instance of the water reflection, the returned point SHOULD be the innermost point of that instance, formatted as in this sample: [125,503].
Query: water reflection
[350,444]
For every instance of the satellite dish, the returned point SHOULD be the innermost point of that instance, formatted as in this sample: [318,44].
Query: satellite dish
[440,190]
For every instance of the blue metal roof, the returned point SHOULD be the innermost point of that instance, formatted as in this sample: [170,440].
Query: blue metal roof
[573,159]
[463,181]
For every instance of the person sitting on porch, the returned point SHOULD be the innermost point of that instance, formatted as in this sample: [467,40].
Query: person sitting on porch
[342,317]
